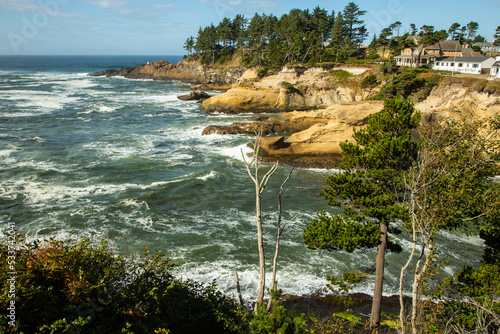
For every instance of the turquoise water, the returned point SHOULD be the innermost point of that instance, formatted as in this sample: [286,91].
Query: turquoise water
[124,160]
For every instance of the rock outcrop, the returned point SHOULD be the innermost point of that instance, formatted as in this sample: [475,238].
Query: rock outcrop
[460,97]
[186,71]
[194,96]
[319,144]
[294,88]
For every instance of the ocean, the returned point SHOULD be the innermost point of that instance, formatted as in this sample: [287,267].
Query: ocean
[125,161]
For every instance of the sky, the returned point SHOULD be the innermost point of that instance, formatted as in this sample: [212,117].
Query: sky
[156,27]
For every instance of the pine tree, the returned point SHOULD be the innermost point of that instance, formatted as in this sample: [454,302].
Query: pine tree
[367,188]
[338,35]
[353,25]
[497,36]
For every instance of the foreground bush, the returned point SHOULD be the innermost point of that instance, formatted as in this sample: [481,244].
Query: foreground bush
[83,287]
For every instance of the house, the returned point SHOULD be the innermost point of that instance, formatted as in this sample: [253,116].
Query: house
[425,55]
[488,47]
[473,65]
[495,69]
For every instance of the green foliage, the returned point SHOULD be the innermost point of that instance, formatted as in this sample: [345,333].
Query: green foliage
[471,300]
[369,81]
[299,36]
[340,233]
[369,181]
[341,322]
[341,76]
[450,189]
[278,320]
[344,285]
[389,66]
[403,85]
[409,83]
[83,287]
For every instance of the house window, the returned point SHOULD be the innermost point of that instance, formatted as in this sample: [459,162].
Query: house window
[475,65]
[452,64]
[437,63]
[460,64]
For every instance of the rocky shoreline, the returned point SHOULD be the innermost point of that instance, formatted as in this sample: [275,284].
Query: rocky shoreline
[306,112]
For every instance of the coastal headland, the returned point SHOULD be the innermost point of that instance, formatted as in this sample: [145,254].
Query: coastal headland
[304,112]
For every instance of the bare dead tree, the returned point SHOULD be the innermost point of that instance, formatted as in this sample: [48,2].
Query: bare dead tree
[280,230]
[260,185]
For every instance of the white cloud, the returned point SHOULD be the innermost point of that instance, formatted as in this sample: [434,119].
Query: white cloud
[119,6]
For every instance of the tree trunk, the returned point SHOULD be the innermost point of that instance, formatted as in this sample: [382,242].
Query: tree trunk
[379,279]
[417,285]
[260,245]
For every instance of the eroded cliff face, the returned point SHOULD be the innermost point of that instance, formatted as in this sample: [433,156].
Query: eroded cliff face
[317,107]
[456,99]
[186,71]
[326,114]
[293,88]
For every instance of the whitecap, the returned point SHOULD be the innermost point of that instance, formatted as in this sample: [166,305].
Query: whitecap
[211,175]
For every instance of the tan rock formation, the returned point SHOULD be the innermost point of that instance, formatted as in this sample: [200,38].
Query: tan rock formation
[322,140]
[293,88]
[188,71]
[243,100]
[456,100]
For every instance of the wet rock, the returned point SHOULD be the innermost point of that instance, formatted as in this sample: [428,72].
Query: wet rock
[194,96]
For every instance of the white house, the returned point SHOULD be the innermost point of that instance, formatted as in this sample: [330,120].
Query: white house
[473,65]
[495,69]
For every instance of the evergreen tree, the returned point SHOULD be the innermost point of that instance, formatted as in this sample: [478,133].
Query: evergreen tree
[395,27]
[189,45]
[497,36]
[373,47]
[453,31]
[354,27]
[367,188]
[239,31]
[384,38]
[414,29]
[321,23]
[472,30]
[255,33]
[338,35]
[224,31]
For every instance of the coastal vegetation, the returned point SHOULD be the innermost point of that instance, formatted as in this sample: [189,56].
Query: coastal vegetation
[314,36]
[399,175]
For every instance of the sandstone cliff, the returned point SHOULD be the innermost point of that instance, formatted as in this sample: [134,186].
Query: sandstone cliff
[314,135]
[293,88]
[316,107]
[187,71]
[457,97]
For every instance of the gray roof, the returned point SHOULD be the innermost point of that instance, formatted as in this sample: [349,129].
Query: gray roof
[468,52]
[445,46]
[464,59]
[483,44]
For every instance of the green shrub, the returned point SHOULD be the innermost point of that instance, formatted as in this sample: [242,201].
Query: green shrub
[84,287]
[278,320]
